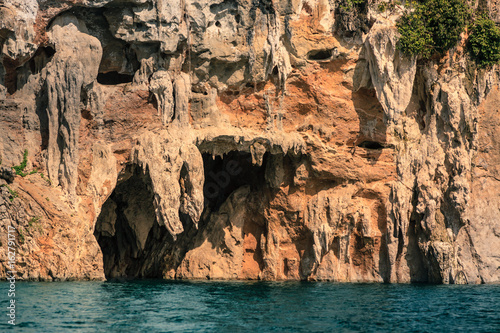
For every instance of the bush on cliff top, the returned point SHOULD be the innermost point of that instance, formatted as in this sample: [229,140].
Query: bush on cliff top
[433,26]
[415,37]
[484,42]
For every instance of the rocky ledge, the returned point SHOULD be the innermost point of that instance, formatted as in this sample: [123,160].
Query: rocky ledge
[275,140]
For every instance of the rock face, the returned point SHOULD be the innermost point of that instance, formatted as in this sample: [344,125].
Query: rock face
[243,140]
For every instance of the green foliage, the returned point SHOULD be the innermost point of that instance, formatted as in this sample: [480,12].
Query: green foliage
[20,168]
[13,194]
[446,20]
[351,4]
[484,42]
[33,220]
[433,26]
[46,179]
[383,6]
[415,37]
[34,224]
[20,234]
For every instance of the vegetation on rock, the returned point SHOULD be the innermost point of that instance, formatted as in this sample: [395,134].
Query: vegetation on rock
[434,26]
[484,42]
[415,37]
[20,168]
[351,4]
[13,193]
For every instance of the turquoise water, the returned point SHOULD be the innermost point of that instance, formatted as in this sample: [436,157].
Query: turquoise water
[163,306]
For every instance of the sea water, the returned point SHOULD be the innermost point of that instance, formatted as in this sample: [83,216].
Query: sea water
[208,306]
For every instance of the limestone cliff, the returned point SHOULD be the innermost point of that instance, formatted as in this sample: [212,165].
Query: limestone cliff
[234,139]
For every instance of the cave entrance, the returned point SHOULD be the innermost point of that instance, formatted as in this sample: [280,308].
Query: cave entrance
[132,242]
[224,175]
[127,230]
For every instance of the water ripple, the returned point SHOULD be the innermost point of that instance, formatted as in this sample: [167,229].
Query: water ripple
[201,306]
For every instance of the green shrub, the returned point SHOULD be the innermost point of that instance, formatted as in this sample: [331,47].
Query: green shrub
[351,4]
[34,224]
[433,26]
[20,168]
[445,20]
[415,38]
[391,5]
[484,42]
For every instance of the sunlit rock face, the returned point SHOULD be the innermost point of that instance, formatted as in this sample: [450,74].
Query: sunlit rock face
[243,140]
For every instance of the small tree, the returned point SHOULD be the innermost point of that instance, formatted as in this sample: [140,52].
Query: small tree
[484,42]
[415,38]
[446,20]
[433,26]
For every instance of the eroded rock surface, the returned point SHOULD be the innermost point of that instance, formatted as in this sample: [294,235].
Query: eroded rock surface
[242,140]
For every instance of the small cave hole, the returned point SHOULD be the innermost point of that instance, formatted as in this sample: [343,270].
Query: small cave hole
[112,78]
[86,114]
[217,24]
[237,18]
[42,56]
[371,145]
[318,55]
[140,26]
[224,175]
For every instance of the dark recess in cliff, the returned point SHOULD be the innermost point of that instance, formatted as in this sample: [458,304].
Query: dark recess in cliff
[128,233]
[112,78]
[319,55]
[225,175]
[132,242]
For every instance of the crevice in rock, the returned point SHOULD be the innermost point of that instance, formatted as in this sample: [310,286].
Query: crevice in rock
[33,66]
[114,78]
[371,145]
[41,112]
[318,55]
[42,56]
[414,257]
[10,79]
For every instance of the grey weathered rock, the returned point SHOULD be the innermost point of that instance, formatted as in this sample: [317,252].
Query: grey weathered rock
[168,159]
[392,72]
[17,19]
[73,67]
[7,173]
[182,93]
[161,87]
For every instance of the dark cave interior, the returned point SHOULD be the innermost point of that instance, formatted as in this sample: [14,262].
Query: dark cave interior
[134,245]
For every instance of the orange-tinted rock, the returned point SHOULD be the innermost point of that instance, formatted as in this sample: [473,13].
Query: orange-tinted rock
[230,141]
